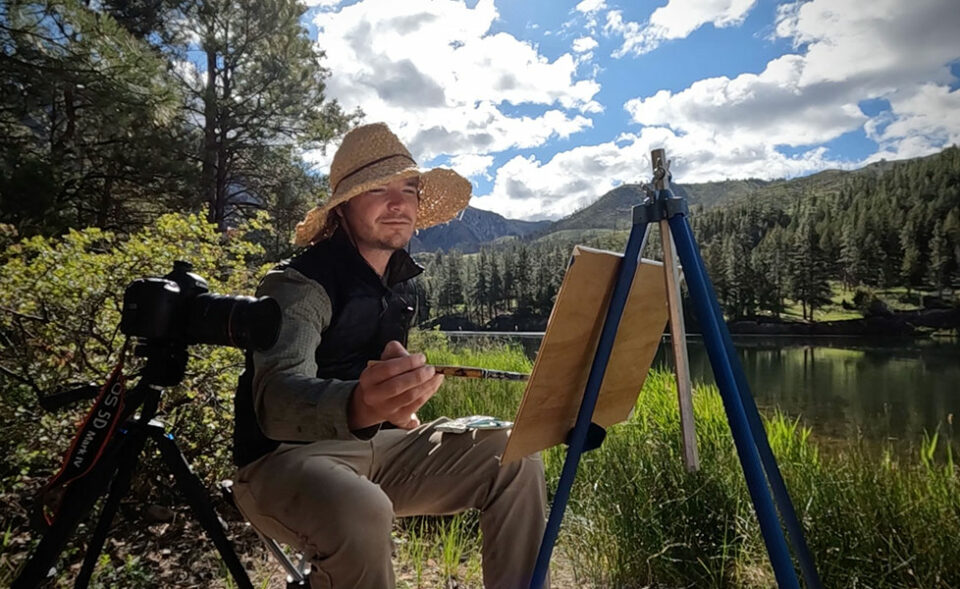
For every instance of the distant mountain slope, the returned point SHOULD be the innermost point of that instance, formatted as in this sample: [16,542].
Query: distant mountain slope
[612,210]
[473,228]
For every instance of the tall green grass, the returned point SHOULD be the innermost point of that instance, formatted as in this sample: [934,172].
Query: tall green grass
[636,518]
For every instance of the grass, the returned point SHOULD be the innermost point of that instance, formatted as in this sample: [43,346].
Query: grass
[637,519]
[873,517]
[896,298]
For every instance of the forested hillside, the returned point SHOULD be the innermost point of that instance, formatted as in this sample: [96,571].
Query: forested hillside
[787,242]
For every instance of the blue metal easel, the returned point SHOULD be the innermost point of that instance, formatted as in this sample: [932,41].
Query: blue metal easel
[764,481]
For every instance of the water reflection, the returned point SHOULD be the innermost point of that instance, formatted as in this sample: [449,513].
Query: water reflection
[877,389]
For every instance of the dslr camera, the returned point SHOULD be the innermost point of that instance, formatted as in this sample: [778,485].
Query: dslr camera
[180,309]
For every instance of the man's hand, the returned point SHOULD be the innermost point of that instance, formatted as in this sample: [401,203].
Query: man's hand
[392,390]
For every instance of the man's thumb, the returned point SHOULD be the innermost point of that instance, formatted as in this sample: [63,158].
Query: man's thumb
[393,349]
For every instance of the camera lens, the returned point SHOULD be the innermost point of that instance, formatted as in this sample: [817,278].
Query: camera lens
[240,321]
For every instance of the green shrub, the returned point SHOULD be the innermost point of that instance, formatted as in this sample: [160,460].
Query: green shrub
[60,304]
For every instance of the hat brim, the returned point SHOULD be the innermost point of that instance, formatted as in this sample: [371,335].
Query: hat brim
[443,194]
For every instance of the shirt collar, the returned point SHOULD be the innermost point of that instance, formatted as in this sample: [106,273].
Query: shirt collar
[400,267]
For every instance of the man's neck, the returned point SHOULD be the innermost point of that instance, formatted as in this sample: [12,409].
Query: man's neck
[378,258]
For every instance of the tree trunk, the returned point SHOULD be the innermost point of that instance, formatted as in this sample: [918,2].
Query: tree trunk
[208,174]
[106,199]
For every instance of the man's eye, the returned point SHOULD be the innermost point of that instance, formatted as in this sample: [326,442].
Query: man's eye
[378,190]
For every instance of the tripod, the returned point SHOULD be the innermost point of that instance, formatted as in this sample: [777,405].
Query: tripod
[753,449]
[164,367]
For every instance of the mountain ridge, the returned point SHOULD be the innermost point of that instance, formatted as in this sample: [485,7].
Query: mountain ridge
[611,211]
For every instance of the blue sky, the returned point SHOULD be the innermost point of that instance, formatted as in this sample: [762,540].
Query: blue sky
[547,105]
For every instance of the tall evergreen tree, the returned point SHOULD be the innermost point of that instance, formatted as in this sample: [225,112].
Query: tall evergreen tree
[260,88]
[88,117]
[939,268]
[911,267]
[809,283]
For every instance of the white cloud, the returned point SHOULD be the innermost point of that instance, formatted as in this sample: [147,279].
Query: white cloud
[676,20]
[321,3]
[439,77]
[472,164]
[584,44]
[845,54]
[918,124]
[588,6]
[528,188]
[771,107]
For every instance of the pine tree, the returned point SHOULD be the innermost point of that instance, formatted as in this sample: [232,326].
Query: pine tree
[451,294]
[258,95]
[939,259]
[808,278]
[88,119]
[496,287]
[911,267]
[481,287]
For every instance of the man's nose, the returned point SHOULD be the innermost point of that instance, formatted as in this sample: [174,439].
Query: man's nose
[395,197]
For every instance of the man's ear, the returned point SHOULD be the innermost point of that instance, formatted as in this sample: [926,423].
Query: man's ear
[339,209]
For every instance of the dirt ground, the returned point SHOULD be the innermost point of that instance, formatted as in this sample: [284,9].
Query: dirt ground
[155,546]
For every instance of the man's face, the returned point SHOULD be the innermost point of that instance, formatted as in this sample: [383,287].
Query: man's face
[384,217]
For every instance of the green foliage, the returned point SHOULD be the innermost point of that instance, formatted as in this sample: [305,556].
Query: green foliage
[260,97]
[90,124]
[60,305]
[107,119]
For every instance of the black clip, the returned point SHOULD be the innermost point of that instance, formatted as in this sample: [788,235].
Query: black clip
[595,437]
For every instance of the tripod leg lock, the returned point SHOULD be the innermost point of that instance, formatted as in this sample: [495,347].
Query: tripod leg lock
[595,437]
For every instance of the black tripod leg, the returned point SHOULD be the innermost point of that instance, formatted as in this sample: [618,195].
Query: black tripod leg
[193,491]
[133,441]
[78,500]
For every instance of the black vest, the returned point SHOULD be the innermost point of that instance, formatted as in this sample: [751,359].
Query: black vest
[367,313]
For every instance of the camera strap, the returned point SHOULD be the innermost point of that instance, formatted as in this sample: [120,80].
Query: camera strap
[90,441]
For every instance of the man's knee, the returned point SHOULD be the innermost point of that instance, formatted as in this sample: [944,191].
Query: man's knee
[363,515]
[529,471]
[520,480]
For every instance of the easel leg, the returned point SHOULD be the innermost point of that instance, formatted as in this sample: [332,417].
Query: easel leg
[780,494]
[678,341]
[618,301]
[713,328]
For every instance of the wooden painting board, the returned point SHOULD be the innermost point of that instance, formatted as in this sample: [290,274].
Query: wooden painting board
[548,410]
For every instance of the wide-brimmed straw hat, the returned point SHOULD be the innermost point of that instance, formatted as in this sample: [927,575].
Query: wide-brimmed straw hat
[371,156]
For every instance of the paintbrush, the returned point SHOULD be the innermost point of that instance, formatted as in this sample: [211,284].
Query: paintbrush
[472,372]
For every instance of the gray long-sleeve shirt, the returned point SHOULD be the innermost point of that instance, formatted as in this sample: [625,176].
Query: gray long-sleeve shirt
[291,403]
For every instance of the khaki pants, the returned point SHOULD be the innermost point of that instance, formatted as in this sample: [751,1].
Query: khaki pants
[336,500]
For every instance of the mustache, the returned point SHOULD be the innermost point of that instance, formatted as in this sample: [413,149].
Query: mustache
[388,218]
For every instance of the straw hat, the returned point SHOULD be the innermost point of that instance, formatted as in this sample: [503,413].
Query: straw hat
[371,156]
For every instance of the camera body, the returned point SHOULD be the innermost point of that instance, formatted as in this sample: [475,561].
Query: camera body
[179,308]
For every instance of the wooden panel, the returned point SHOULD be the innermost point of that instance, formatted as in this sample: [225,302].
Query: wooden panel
[552,398]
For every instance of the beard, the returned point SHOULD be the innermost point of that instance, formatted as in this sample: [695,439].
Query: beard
[393,241]
[392,237]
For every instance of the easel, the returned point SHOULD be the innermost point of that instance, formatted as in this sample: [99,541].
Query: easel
[764,481]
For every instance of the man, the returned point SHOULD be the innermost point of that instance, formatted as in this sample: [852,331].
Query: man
[330,448]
